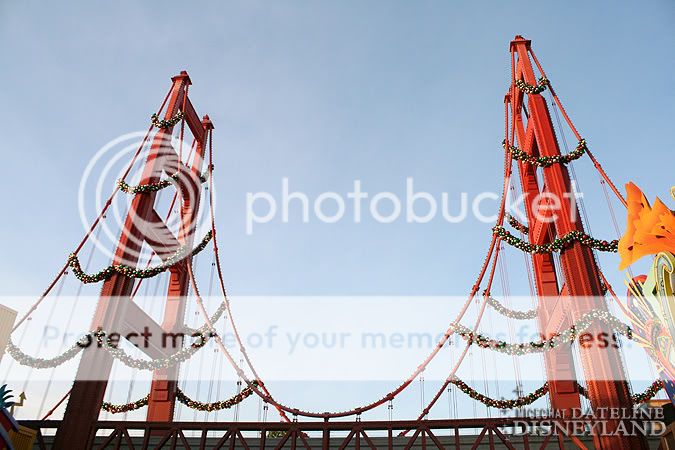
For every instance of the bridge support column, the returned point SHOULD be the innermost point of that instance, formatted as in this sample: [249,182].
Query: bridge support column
[116,312]
[603,371]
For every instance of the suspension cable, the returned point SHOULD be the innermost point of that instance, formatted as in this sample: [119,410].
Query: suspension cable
[263,391]
[508,165]
[182,128]
[166,218]
[628,313]
[70,319]
[467,347]
[63,399]
[59,290]
[94,224]
[577,135]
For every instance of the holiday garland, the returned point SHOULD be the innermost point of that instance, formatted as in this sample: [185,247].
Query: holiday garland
[215,406]
[530,398]
[41,363]
[511,313]
[214,318]
[118,353]
[640,397]
[74,264]
[558,243]
[648,393]
[530,89]
[184,399]
[153,364]
[566,336]
[154,187]
[517,225]
[116,409]
[582,390]
[166,123]
[501,404]
[546,161]
[524,400]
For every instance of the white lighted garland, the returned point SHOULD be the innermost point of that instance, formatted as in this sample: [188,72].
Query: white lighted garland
[567,336]
[42,363]
[152,364]
[511,313]
[183,355]
[214,318]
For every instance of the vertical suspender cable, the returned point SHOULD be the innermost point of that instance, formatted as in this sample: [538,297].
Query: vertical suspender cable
[597,165]
[213,365]
[42,339]
[93,225]
[70,320]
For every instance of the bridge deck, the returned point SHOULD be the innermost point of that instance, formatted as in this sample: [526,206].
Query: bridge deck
[488,433]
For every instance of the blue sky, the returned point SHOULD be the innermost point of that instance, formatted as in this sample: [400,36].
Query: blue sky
[325,93]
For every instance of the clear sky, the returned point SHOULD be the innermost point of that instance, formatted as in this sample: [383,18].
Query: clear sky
[325,93]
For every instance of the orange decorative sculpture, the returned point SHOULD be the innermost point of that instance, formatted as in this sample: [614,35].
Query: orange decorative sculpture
[649,230]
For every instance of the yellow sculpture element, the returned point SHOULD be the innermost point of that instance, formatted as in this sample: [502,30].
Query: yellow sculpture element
[649,230]
[22,398]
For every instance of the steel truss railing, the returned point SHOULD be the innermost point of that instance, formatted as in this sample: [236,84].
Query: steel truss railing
[492,433]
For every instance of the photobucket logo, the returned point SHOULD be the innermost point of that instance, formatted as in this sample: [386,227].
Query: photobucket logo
[160,227]
[386,207]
